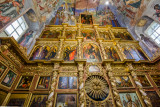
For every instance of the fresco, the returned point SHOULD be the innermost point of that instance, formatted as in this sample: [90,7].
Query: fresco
[157,9]
[130,100]
[43,83]
[38,100]
[25,82]
[123,81]
[16,102]
[105,35]
[86,19]
[143,80]
[2,69]
[51,34]
[31,15]
[156,79]
[155,99]
[9,78]
[112,54]
[70,53]
[91,53]
[37,53]
[26,39]
[89,35]
[67,83]
[94,68]
[66,100]
[9,10]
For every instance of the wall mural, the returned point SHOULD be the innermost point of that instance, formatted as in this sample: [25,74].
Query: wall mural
[9,10]
[91,53]
[38,100]
[70,53]
[130,99]
[112,54]
[123,81]
[25,82]
[66,100]
[43,83]
[67,83]
[2,69]
[9,78]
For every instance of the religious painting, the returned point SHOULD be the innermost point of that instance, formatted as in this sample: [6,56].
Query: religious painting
[67,83]
[143,80]
[13,10]
[2,96]
[134,54]
[44,53]
[89,35]
[123,81]
[105,35]
[127,36]
[2,69]
[86,19]
[116,35]
[156,79]
[53,53]
[39,100]
[130,100]
[112,54]
[142,55]
[127,53]
[70,35]
[26,39]
[70,53]
[37,53]
[43,83]
[16,102]
[66,100]
[91,53]
[31,15]
[25,82]
[94,68]
[154,98]
[157,9]
[9,78]
[51,34]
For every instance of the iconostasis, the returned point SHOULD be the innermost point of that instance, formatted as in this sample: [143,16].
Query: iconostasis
[84,65]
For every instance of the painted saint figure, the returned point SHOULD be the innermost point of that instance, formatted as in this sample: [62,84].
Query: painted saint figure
[112,54]
[70,53]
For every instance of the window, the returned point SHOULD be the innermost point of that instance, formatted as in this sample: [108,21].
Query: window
[17,28]
[153,31]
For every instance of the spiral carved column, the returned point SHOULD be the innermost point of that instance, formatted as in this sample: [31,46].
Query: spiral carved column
[80,48]
[141,90]
[115,91]
[53,85]
[103,50]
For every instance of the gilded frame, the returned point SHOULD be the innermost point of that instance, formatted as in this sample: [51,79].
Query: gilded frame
[86,14]
[6,75]
[94,73]
[1,75]
[150,75]
[20,80]
[76,93]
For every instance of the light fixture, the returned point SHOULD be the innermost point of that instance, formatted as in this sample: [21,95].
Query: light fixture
[107,2]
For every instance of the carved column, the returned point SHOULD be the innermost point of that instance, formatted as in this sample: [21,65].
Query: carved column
[115,91]
[81,85]
[53,86]
[141,90]
[120,51]
[79,48]
[95,28]
[102,48]
[59,53]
